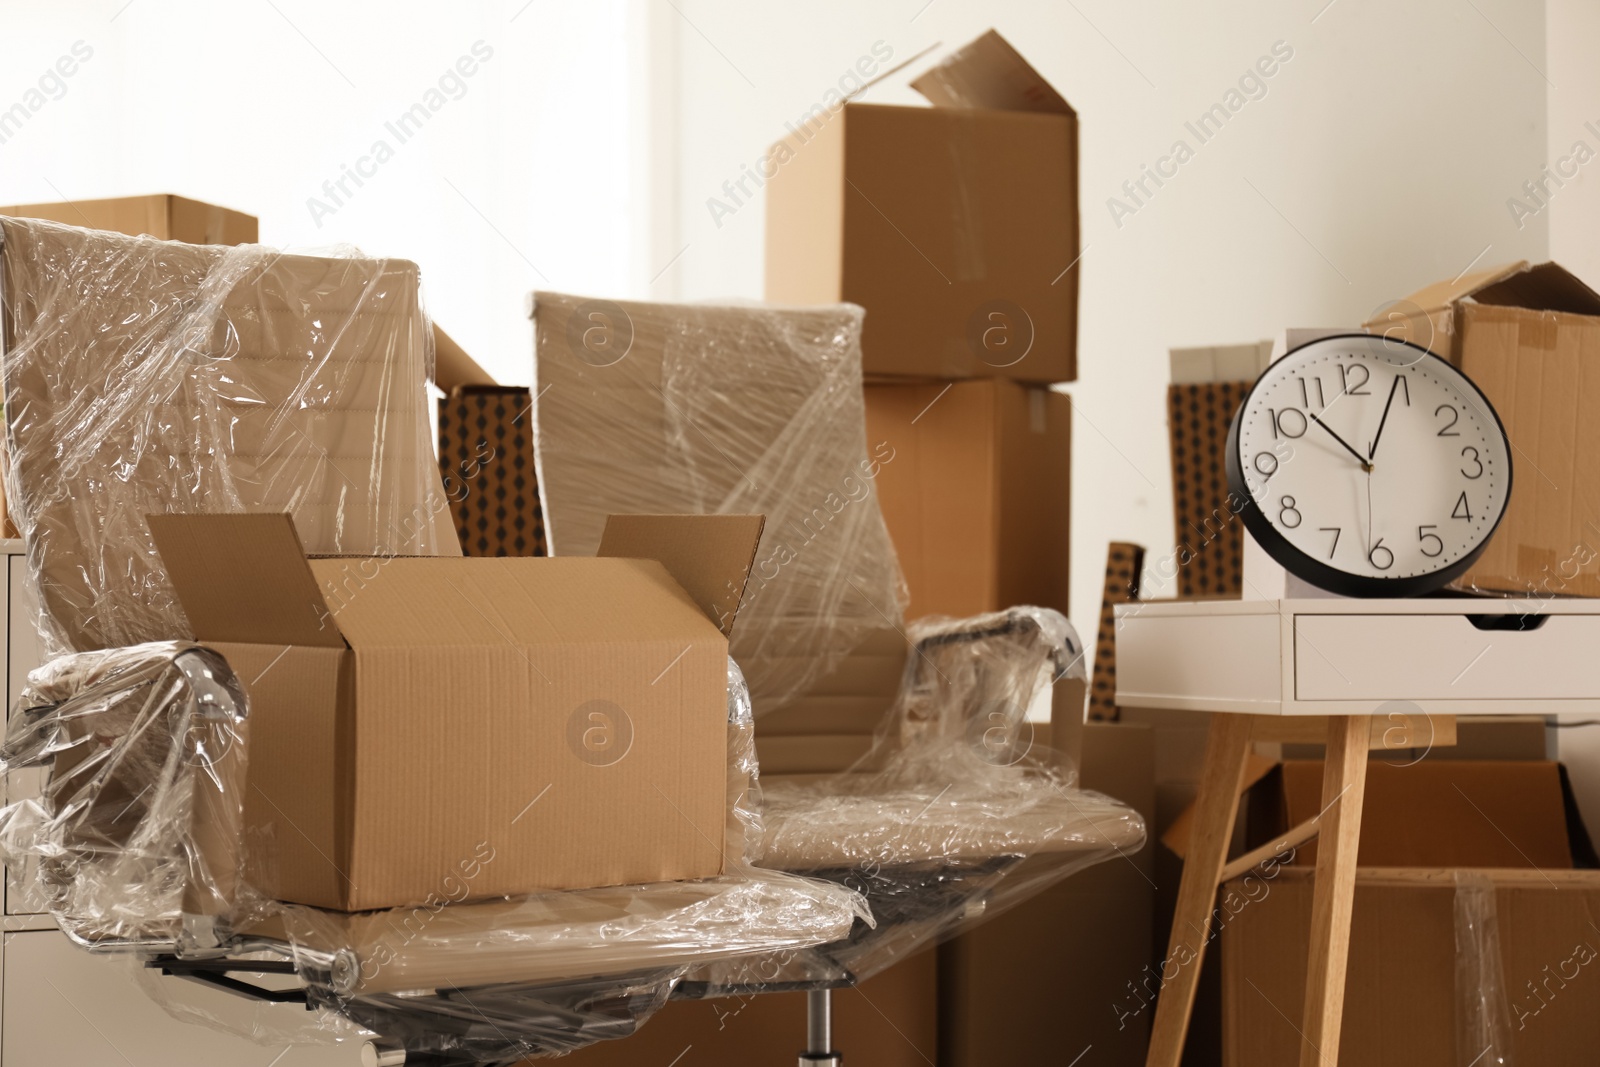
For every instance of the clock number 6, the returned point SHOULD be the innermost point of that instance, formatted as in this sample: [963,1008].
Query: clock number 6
[1425,537]
[1287,515]
[1387,560]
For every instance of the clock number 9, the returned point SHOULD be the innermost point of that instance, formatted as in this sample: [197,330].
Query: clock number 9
[1266,465]
[1475,462]
[1380,557]
[1287,515]
[1425,537]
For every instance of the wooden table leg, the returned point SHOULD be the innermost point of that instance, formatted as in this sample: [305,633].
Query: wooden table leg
[1344,781]
[1215,807]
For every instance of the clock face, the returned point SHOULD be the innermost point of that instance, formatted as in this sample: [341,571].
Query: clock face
[1369,467]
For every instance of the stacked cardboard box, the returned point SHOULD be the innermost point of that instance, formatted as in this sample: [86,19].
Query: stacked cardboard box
[956,227]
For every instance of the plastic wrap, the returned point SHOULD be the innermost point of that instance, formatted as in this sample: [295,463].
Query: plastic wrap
[131,832]
[137,838]
[146,376]
[951,815]
[1483,1011]
[655,408]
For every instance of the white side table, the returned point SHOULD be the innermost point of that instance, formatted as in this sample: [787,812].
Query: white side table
[1364,665]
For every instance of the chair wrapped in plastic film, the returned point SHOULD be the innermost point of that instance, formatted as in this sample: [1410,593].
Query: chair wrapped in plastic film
[951,813]
[145,377]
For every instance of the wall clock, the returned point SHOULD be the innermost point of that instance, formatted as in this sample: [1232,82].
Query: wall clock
[1368,466]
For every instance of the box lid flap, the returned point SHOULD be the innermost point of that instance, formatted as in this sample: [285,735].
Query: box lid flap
[244,579]
[1542,287]
[1441,295]
[989,74]
[709,555]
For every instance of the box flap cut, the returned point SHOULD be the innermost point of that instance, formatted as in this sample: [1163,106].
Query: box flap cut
[244,579]
[710,556]
[990,75]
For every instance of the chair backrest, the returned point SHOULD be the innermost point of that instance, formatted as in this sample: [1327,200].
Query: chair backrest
[646,408]
[145,376]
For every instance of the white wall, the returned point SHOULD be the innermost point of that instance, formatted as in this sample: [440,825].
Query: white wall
[1573,213]
[1378,160]
[530,174]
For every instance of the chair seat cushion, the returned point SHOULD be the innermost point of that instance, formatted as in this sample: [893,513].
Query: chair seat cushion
[811,824]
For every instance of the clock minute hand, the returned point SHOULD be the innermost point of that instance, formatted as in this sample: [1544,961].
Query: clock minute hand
[1373,451]
[1346,445]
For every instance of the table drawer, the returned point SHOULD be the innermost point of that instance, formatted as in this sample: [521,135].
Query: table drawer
[1444,657]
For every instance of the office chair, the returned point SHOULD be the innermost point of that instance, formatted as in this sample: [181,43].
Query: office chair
[946,816]
[147,377]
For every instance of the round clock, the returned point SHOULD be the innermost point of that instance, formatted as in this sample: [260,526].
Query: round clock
[1368,466]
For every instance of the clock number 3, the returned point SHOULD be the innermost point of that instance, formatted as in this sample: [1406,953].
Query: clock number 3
[1472,456]
[1287,515]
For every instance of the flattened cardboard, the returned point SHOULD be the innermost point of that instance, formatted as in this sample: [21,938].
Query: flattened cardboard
[978,495]
[1407,984]
[710,556]
[566,716]
[955,226]
[1447,813]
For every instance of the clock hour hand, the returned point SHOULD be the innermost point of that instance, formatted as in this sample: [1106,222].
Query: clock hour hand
[1373,451]
[1365,464]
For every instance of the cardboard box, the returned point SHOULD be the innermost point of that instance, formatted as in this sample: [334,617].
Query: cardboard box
[171,218]
[1528,336]
[1053,975]
[890,1020]
[1432,813]
[1410,983]
[486,459]
[561,721]
[978,493]
[955,226]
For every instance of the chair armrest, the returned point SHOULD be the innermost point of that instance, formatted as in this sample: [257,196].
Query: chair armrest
[138,826]
[977,677]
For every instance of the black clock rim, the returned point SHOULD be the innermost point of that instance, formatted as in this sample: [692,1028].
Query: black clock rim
[1314,570]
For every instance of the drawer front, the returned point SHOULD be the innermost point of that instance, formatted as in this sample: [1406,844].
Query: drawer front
[1444,657]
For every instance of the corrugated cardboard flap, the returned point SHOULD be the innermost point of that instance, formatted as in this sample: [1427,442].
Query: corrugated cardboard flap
[989,74]
[1538,287]
[710,556]
[244,579]
[1542,287]
[1441,295]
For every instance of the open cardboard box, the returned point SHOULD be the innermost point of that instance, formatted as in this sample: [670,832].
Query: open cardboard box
[955,226]
[547,723]
[1529,337]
